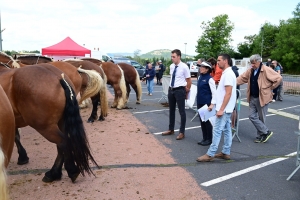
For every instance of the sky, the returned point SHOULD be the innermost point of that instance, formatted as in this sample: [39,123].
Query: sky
[127,25]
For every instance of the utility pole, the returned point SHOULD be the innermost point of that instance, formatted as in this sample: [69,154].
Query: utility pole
[262,41]
[1,34]
[185,51]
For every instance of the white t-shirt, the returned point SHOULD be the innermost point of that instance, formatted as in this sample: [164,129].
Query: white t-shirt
[228,78]
[182,72]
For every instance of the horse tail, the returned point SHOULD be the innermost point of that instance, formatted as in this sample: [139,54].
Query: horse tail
[3,177]
[75,136]
[103,96]
[122,85]
[138,86]
[94,84]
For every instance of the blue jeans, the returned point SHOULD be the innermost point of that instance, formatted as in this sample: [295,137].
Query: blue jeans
[222,124]
[150,86]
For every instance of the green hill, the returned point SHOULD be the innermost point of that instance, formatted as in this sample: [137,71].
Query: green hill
[165,53]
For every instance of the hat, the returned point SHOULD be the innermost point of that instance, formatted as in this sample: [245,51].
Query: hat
[159,61]
[205,64]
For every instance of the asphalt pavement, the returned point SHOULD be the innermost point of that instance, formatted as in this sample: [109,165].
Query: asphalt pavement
[255,171]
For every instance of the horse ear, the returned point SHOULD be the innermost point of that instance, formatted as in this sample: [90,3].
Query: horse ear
[15,56]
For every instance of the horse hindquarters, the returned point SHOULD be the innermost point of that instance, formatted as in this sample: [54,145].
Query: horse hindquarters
[3,178]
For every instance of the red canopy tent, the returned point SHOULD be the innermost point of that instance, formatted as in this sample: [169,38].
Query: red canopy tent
[67,47]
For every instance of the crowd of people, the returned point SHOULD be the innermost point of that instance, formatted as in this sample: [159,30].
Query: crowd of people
[216,87]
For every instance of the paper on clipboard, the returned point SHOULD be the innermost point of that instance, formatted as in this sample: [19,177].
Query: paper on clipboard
[205,114]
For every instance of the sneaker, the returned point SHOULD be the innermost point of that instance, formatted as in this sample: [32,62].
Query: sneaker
[273,100]
[150,94]
[265,137]
[258,139]
[222,156]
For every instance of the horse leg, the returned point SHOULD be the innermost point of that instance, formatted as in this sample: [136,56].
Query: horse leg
[95,101]
[115,103]
[55,172]
[136,92]
[72,170]
[127,91]
[23,158]
[101,117]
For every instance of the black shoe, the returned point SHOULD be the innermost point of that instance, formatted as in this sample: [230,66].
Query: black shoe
[206,143]
[265,137]
[258,139]
[200,142]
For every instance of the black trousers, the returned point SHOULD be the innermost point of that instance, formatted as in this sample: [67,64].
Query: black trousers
[206,127]
[177,97]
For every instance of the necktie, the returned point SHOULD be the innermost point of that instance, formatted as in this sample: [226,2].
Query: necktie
[173,77]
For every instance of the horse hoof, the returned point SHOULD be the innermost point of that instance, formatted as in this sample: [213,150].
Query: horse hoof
[23,162]
[113,106]
[74,177]
[90,121]
[119,108]
[101,119]
[138,102]
[49,180]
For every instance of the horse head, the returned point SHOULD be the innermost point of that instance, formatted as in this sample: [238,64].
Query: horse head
[8,60]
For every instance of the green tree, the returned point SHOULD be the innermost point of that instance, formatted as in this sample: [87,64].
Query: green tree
[287,50]
[265,40]
[215,38]
[245,49]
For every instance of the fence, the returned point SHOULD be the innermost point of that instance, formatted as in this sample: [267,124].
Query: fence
[291,84]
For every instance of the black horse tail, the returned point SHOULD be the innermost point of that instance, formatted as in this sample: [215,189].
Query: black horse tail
[75,136]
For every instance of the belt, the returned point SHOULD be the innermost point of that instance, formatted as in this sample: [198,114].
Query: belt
[177,88]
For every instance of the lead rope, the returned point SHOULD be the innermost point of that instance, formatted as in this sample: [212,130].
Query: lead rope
[71,93]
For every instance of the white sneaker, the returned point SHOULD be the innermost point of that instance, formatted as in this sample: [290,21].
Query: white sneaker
[150,94]
[273,100]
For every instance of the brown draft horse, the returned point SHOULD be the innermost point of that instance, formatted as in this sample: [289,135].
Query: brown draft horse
[131,78]
[31,91]
[7,137]
[115,78]
[87,93]
[32,59]
[95,99]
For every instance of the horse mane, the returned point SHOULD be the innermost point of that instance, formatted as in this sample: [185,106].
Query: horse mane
[72,59]
[35,56]
[4,54]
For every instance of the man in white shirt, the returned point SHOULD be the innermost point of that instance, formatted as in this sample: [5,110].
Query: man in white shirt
[179,87]
[225,99]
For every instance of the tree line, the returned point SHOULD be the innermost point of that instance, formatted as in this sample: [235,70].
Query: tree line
[278,42]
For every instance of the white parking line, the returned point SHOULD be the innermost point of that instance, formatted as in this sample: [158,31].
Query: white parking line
[178,130]
[149,111]
[244,171]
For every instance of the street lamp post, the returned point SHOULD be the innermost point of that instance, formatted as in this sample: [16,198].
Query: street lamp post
[185,51]
[262,41]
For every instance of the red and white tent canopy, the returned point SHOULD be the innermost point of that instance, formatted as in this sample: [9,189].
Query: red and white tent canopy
[67,47]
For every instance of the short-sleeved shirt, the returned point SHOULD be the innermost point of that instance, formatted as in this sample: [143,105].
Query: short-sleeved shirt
[228,78]
[182,72]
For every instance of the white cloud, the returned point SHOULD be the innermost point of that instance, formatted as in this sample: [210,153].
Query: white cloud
[121,26]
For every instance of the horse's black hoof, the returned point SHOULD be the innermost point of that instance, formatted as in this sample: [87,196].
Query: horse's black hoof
[74,177]
[90,121]
[48,179]
[101,119]
[23,161]
[138,102]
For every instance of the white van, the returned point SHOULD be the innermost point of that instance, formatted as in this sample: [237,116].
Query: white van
[193,67]
[100,55]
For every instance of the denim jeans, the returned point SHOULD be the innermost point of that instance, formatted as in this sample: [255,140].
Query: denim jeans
[177,97]
[150,85]
[222,124]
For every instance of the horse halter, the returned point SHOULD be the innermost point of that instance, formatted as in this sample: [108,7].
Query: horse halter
[6,64]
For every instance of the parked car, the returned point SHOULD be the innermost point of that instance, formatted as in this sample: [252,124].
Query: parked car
[193,67]
[140,68]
